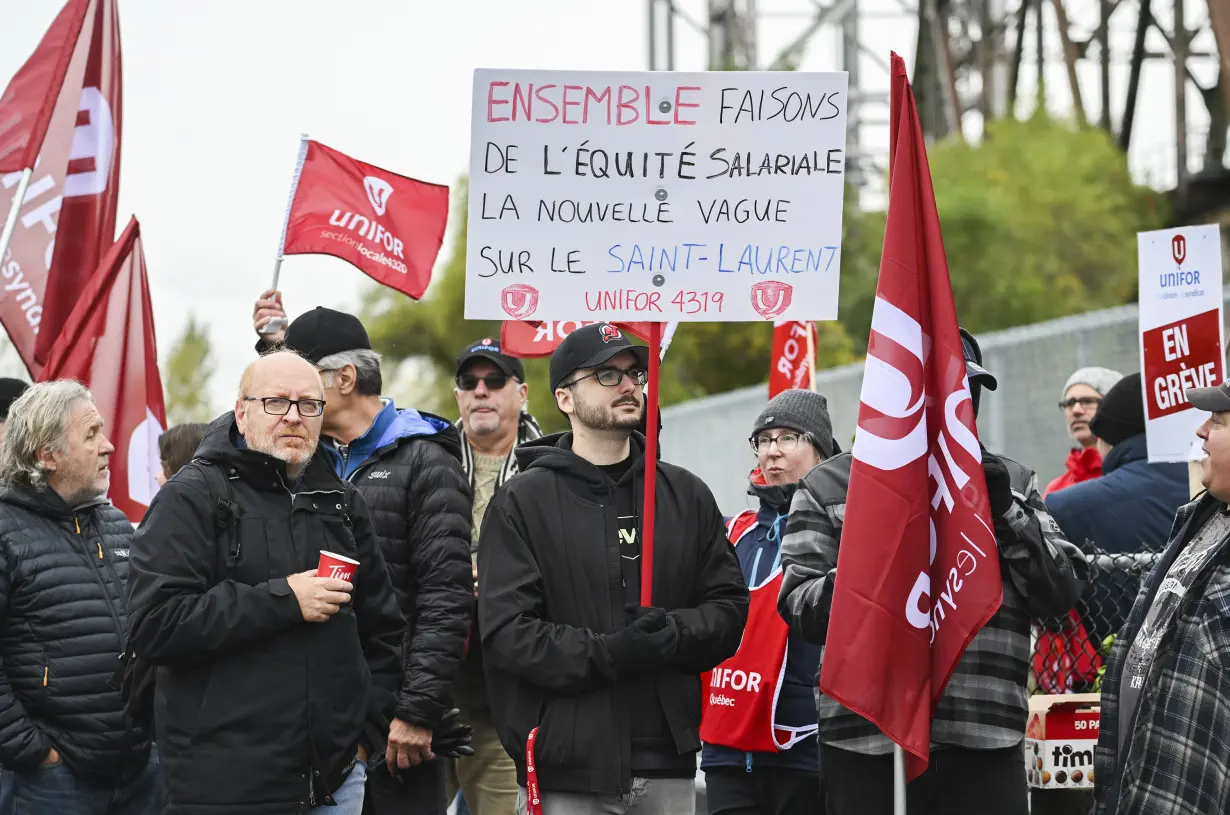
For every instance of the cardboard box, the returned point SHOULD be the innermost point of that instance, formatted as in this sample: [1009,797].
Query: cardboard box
[1060,737]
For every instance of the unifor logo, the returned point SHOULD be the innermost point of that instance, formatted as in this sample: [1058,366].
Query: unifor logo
[378,192]
[771,298]
[892,431]
[1178,249]
[519,300]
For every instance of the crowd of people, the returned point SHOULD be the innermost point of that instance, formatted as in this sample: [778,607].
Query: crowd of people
[489,647]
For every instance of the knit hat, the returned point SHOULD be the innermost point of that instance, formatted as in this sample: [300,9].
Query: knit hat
[1122,412]
[10,390]
[1100,379]
[804,411]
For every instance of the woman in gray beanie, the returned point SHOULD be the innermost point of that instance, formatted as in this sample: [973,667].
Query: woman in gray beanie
[1079,402]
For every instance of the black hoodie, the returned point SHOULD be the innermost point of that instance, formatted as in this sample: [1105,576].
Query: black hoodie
[256,710]
[549,568]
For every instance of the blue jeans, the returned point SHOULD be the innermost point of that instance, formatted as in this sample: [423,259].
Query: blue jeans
[348,800]
[54,790]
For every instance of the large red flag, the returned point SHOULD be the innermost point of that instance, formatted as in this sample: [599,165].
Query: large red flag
[387,225]
[531,339]
[793,362]
[918,566]
[63,107]
[108,345]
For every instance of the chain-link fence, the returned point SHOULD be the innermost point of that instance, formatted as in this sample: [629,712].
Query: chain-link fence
[1070,652]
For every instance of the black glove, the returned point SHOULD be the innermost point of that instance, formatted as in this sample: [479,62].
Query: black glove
[999,484]
[648,642]
[451,738]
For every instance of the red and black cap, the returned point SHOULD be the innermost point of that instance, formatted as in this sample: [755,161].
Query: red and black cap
[588,347]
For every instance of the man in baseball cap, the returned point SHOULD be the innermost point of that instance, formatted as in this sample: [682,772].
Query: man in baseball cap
[608,684]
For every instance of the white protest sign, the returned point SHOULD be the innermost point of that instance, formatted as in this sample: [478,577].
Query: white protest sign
[1180,333]
[655,196]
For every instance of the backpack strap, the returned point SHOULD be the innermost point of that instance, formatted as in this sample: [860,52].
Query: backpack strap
[226,512]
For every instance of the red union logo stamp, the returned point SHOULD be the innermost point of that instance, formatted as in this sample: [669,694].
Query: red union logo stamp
[1178,248]
[771,298]
[519,300]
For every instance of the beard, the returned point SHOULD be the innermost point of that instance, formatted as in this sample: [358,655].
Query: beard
[265,441]
[604,417]
[84,484]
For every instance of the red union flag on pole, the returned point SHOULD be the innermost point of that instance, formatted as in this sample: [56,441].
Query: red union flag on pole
[793,362]
[917,503]
[108,345]
[59,159]
[530,339]
[388,226]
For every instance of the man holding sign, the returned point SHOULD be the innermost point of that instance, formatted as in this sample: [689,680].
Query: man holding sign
[595,696]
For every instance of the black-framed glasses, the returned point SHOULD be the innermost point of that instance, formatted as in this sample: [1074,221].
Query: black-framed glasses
[494,382]
[1086,402]
[611,377]
[280,405]
[786,442]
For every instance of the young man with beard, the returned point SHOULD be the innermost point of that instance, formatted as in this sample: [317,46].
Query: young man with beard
[491,398]
[608,688]
[760,755]
[273,685]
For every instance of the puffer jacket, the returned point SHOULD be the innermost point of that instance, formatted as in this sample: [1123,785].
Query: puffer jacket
[63,575]
[407,467]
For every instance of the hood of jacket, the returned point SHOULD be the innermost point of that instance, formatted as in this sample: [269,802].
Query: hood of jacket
[554,452]
[391,427]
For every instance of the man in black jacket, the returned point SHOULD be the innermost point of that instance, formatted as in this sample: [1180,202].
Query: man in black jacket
[273,684]
[66,744]
[610,689]
[407,466]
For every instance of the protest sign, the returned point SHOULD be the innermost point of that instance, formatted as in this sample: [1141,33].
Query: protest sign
[1180,333]
[655,196]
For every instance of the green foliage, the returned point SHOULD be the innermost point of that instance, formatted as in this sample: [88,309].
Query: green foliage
[1039,221]
[703,358]
[186,376]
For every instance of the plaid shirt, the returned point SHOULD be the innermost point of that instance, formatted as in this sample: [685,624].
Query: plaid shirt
[984,705]
[1178,756]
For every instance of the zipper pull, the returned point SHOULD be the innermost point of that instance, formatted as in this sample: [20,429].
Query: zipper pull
[46,669]
[77,523]
[100,554]
[747,764]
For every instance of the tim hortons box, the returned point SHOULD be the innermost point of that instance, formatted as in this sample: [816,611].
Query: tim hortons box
[1059,740]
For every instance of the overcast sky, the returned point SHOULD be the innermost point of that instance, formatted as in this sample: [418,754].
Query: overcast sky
[217,93]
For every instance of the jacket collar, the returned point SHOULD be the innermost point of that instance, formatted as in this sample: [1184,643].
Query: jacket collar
[1134,448]
[47,502]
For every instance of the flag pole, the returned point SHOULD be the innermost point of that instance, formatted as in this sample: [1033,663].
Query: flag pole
[898,780]
[653,386]
[811,355]
[10,223]
[276,325]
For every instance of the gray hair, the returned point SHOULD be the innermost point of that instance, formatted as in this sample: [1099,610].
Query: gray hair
[366,366]
[38,421]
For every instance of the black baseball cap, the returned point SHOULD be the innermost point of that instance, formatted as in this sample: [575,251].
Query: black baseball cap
[588,347]
[973,362]
[1214,400]
[323,332]
[489,349]
[10,390]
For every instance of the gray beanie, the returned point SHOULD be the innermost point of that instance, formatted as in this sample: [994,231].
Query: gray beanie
[1100,379]
[804,411]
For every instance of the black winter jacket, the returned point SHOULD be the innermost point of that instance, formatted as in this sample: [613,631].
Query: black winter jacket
[65,622]
[256,710]
[407,466]
[549,566]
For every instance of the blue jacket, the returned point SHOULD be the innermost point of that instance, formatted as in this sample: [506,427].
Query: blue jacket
[1128,510]
[389,425]
[796,705]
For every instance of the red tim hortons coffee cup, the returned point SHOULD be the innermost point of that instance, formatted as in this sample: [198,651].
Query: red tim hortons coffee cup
[339,566]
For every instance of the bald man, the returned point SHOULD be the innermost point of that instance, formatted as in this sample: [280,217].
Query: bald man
[273,684]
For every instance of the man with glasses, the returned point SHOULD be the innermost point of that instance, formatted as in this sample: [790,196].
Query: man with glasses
[607,688]
[491,398]
[760,755]
[271,682]
[1079,401]
[407,466]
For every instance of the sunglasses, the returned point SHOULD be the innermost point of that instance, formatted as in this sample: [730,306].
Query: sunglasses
[494,382]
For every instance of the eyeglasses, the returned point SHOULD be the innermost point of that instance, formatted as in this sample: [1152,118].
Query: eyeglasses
[611,377]
[786,442]
[1086,402]
[494,382]
[280,405]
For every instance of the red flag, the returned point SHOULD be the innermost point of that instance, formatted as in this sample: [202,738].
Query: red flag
[918,565]
[530,339]
[64,107]
[108,345]
[387,225]
[793,362]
